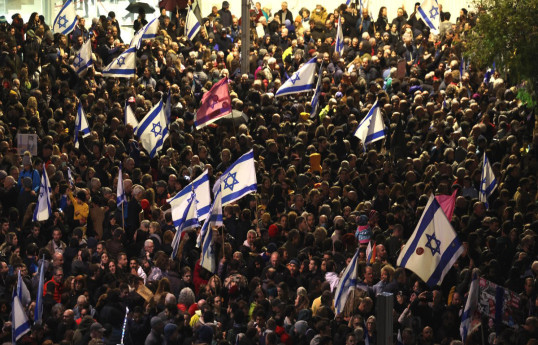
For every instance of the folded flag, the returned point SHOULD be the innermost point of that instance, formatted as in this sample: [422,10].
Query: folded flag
[215,104]
[43,208]
[130,118]
[38,311]
[429,12]
[19,321]
[433,247]
[372,128]
[147,32]
[347,282]
[153,130]
[448,203]
[192,25]
[66,19]
[184,217]
[315,98]
[238,180]
[339,43]
[207,257]
[488,182]
[81,125]
[300,81]
[124,66]
[120,193]
[83,58]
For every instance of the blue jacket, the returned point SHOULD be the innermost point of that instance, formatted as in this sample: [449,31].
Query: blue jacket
[34,175]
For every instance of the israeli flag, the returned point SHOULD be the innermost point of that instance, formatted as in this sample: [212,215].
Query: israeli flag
[433,247]
[153,130]
[124,66]
[22,291]
[470,306]
[238,180]
[489,73]
[38,311]
[339,43]
[184,216]
[81,125]
[120,193]
[207,257]
[83,58]
[300,81]
[347,282]
[372,128]
[192,25]
[66,19]
[43,209]
[488,182]
[70,178]
[130,118]
[315,98]
[147,32]
[200,188]
[19,320]
[429,12]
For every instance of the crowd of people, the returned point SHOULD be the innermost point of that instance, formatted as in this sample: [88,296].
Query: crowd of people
[320,195]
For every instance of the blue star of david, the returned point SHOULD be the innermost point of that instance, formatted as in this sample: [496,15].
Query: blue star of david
[77,63]
[121,61]
[156,129]
[62,21]
[231,185]
[295,78]
[213,101]
[437,244]
[434,12]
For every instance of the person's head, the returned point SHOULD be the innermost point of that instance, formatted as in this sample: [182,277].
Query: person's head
[58,274]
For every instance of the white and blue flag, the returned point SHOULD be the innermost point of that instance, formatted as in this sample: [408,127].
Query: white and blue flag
[238,180]
[339,43]
[120,193]
[66,19]
[130,118]
[207,256]
[81,125]
[347,282]
[192,25]
[488,182]
[38,311]
[70,177]
[19,321]
[83,58]
[300,81]
[43,209]
[184,216]
[315,98]
[489,73]
[200,187]
[153,130]
[22,291]
[430,14]
[124,66]
[470,306]
[433,247]
[371,128]
[147,32]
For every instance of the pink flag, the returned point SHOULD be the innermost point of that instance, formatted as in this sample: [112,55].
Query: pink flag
[215,104]
[448,203]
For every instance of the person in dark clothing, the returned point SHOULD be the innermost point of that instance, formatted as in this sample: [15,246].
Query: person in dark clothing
[225,15]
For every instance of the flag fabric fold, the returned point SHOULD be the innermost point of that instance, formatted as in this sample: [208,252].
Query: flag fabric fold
[215,104]
[238,180]
[207,256]
[124,66]
[22,291]
[120,193]
[200,187]
[470,306]
[488,182]
[19,321]
[448,203]
[315,98]
[38,311]
[347,282]
[83,58]
[43,208]
[81,125]
[130,118]
[66,19]
[148,31]
[184,217]
[70,178]
[153,130]
[430,14]
[371,253]
[339,42]
[300,81]
[192,25]
[433,247]
[371,128]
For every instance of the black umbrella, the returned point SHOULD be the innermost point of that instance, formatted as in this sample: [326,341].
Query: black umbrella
[135,7]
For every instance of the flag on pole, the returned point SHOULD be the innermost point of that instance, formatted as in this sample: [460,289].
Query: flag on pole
[429,12]
[70,178]
[81,125]
[448,203]
[488,182]
[83,58]
[22,291]
[238,180]
[184,217]
[347,282]
[315,98]
[339,43]
[153,129]
[463,67]
[215,104]
[200,187]
[120,193]
[19,321]
[43,208]
[38,311]
[130,118]
[300,81]
[207,256]
[371,253]
[124,66]
[433,247]
[147,32]
[470,306]
[192,25]
[66,19]
[372,128]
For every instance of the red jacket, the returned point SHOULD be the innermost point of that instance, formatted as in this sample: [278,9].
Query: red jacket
[57,293]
